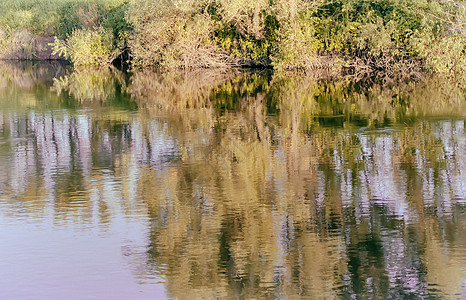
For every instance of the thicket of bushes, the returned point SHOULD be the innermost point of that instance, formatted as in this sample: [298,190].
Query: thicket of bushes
[88,32]
[383,35]
[394,36]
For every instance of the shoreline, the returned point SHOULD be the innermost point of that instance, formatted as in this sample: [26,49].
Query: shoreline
[398,41]
[25,46]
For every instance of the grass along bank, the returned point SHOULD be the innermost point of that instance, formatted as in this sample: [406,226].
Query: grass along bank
[395,37]
[93,29]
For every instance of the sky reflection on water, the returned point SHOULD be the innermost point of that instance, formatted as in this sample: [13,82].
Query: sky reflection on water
[238,185]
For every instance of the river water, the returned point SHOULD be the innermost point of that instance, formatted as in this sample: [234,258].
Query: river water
[233,185]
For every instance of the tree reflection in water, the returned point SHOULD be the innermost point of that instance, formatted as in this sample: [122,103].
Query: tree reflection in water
[255,184]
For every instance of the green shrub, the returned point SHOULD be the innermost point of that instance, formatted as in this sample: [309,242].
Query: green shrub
[88,47]
[298,47]
[442,41]
[64,19]
[391,36]
[173,34]
[53,17]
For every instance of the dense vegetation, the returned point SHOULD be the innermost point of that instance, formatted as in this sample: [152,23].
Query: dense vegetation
[405,37]
[87,32]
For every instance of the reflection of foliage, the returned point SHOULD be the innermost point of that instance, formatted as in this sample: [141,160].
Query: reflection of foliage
[26,84]
[91,85]
[183,96]
[260,185]
[258,207]
[312,99]
[266,217]
[241,90]
[176,90]
[23,75]
[341,102]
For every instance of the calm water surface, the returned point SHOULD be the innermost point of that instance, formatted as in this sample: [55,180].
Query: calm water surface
[231,186]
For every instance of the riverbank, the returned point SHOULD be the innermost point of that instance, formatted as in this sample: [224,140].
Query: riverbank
[397,38]
[23,45]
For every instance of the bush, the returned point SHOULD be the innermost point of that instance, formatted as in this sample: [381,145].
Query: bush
[88,47]
[389,36]
[173,35]
[442,41]
[53,17]
[43,19]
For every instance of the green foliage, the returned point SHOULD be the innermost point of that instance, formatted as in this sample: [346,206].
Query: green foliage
[19,43]
[55,17]
[380,35]
[75,24]
[442,42]
[171,34]
[298,46]
[88,47]
[389,36]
